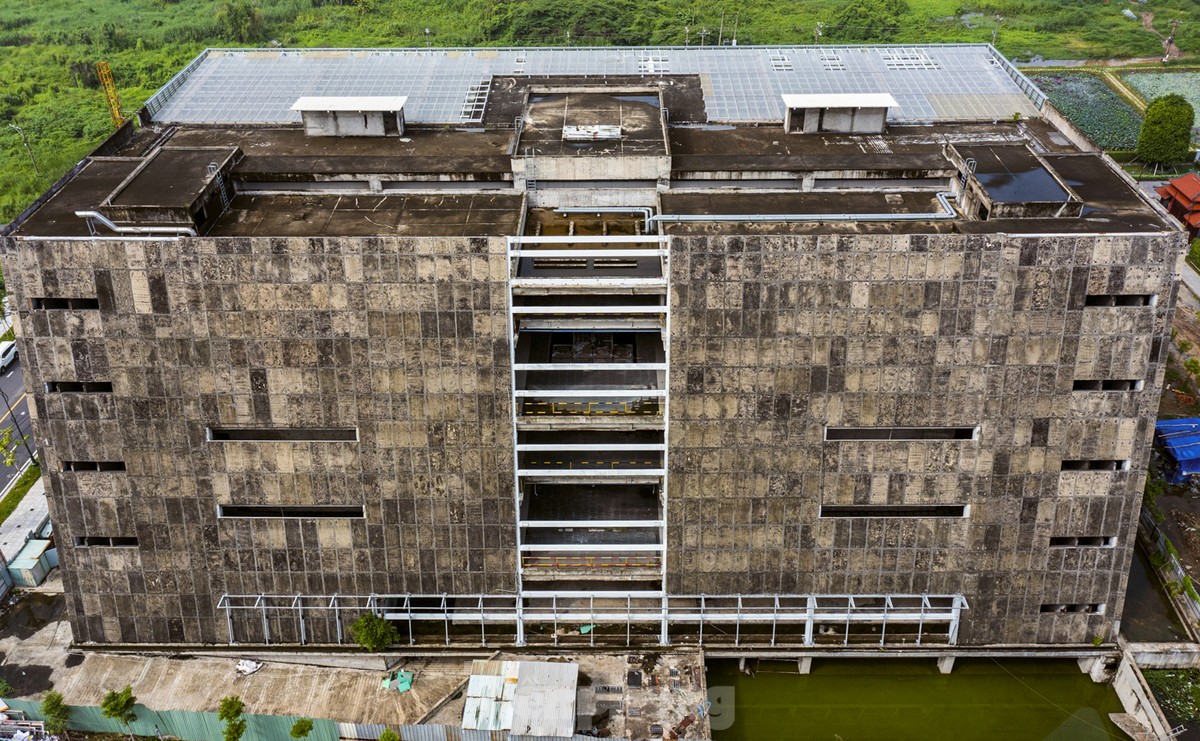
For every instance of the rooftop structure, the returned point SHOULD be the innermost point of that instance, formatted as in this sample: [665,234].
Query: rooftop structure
[775,347]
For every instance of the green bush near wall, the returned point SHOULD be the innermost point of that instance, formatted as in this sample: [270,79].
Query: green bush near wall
[184,724]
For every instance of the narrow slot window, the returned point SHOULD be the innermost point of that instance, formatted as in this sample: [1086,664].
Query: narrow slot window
[101,541]
[900,433]
[1121,299]
[894,510]
[1088,608]
[49,303]
[79,387]
[104,466]
[1083,541]
[283,434]
[276,511]
[1095,465]
[1108,385]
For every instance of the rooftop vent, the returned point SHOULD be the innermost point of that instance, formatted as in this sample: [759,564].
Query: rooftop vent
[840,113]
[352,115]
[597,132]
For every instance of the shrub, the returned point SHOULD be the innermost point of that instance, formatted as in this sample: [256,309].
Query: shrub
[56,712]
[1166,131]
[373,632]
[301,728]
[389,735]
[1184,346]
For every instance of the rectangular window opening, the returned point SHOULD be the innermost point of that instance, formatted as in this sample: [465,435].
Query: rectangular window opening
[283,434]
[1121,299]
[1088,608]
[893,510]
[302,511]
[79,387]
[1095,465]
[1083,541]
[1108,385]
[105,466]
[900,433]
[88,541]
[49,303]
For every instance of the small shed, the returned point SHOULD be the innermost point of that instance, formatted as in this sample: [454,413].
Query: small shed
[358,115]
[1180,442]
[1181,197]
[32,563]
[836,113]
[527,698]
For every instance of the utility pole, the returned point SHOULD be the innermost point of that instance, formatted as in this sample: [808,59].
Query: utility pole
[704,33]
[1170,39]
[817,32]
[721,32]
[736,18]
[28,151]
[687,34]
[20,435]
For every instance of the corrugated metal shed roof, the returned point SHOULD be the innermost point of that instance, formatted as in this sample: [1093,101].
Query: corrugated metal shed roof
[527,697]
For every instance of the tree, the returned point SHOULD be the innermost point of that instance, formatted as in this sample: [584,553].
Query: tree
[56,713]
[301,728]
[867,20]
[1166,131]
[389,735]
[231,712]
[240,20]
[119,707]
[373,632]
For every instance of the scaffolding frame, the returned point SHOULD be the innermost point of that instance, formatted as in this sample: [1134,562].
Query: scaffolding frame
[823,617]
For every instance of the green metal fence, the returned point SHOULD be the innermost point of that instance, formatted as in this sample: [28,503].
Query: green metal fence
[183,724]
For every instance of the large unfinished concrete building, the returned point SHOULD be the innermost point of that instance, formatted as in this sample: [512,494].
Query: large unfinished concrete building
[804,347]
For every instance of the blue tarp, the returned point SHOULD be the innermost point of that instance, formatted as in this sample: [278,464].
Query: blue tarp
[1180,439]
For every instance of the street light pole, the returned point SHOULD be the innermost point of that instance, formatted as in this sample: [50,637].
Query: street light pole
[28,151]
[20,435]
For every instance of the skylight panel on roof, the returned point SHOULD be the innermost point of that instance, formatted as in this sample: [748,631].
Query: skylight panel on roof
[781,62]
[907,59]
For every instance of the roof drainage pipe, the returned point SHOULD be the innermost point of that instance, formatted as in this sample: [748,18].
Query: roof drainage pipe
[177,231]
[645,211]
[947,212]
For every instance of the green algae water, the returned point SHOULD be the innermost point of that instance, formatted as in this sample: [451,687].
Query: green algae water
[864,700]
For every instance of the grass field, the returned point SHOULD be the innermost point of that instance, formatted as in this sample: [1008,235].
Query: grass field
[48,49]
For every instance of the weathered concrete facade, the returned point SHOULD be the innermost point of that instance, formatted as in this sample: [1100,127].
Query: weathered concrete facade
[810,390]
[778,337]
[402,338]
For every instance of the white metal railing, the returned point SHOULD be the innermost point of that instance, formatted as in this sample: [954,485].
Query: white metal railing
[825,619]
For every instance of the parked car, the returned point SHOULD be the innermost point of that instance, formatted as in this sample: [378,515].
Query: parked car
[8,353]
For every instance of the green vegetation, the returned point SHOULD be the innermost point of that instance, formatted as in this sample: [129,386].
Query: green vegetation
[56,712]
[1178,691]
[17,493]
[1092,105]
[389,735]
[9,336]
[230,712]
[373,632]
[1151,85]
[118,705]
[1167,131]
[48,49]
[6,689]
[301,728]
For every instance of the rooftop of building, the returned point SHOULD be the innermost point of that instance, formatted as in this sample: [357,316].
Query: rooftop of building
[714,115]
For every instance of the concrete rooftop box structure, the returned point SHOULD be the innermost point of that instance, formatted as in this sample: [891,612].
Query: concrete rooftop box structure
[352,115]
[595,343]
[837,113]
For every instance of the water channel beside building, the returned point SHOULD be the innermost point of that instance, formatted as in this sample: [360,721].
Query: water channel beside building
[857,699]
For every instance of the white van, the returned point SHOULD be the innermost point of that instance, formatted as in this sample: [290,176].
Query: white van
[8,353]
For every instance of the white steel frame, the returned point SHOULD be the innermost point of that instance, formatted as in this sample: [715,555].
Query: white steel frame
[939,614]
[589,247]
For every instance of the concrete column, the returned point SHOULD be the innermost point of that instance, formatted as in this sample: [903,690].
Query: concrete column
[946,664]
[805,665]
[1094,667]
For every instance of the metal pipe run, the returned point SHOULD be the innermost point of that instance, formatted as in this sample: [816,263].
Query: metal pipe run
[948,212]
[645,211]
[178,231]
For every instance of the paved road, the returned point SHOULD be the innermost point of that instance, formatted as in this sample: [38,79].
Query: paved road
[13,385]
